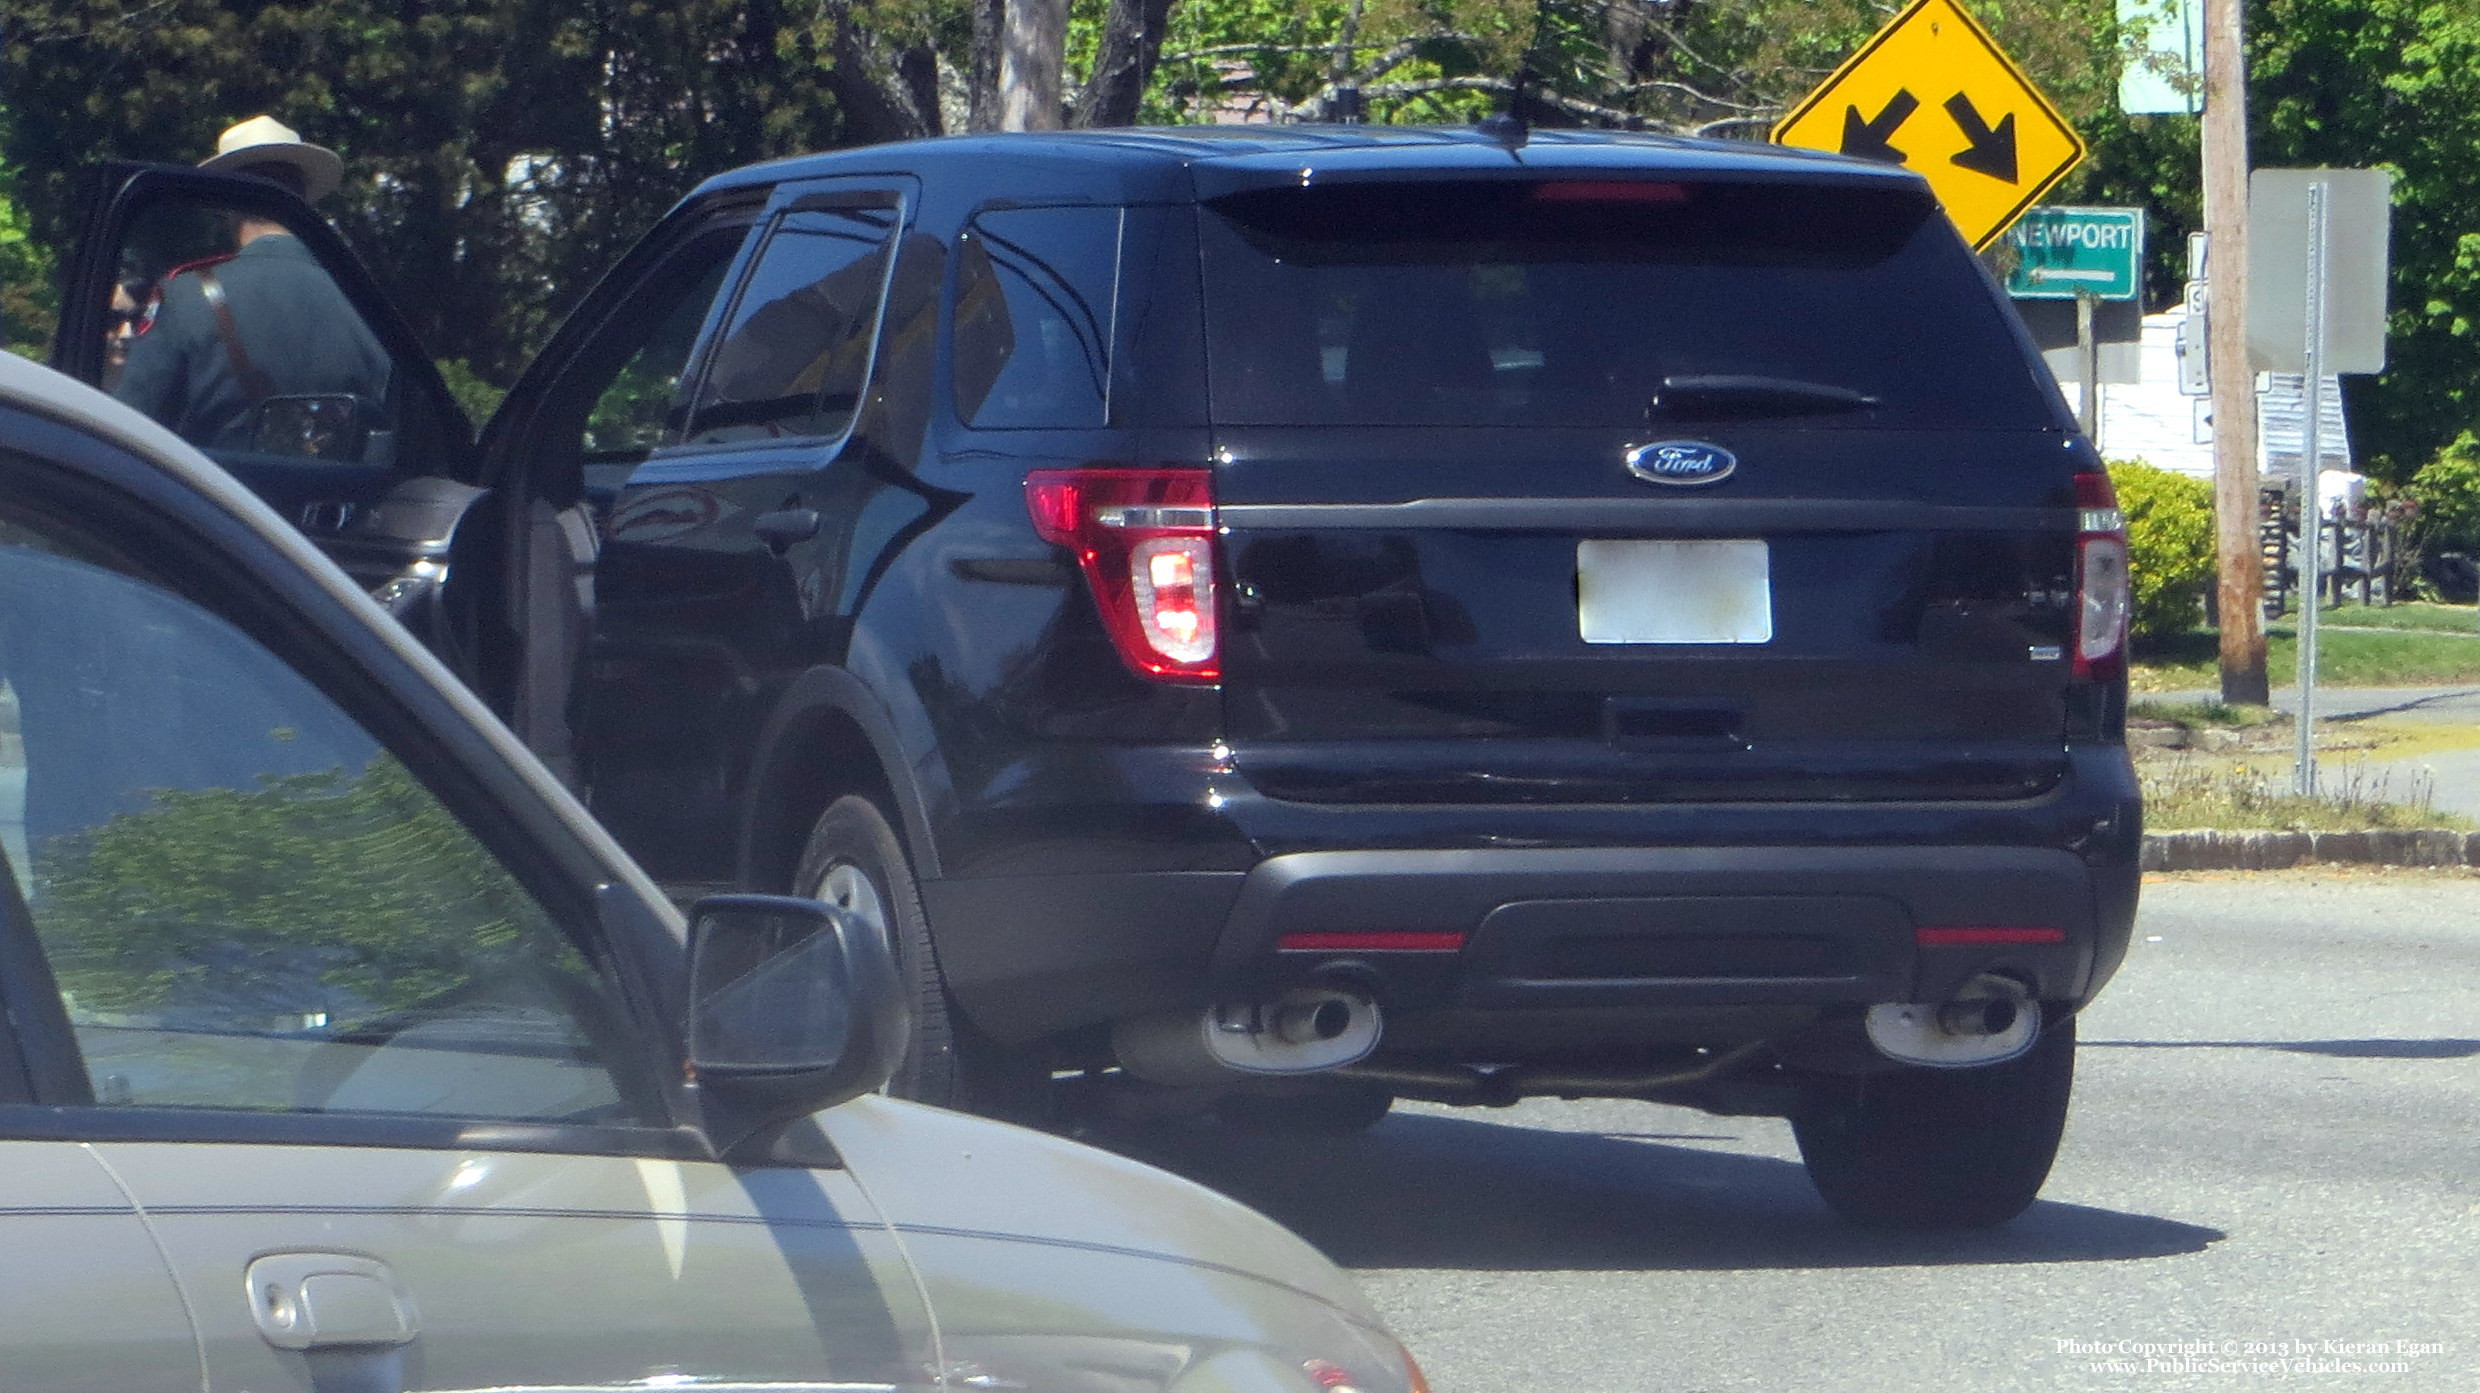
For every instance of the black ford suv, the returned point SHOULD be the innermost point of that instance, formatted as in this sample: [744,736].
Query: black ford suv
[1281,619]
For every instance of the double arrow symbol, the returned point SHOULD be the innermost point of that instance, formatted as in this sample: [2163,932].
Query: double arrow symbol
[1991,151]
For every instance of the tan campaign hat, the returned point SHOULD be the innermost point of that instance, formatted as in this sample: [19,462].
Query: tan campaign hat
[266,140]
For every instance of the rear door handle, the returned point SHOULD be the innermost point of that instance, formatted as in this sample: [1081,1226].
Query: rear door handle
[305,1301]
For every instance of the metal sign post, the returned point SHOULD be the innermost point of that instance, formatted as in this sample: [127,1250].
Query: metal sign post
[2311,510]
[2088,360]
[2316,284]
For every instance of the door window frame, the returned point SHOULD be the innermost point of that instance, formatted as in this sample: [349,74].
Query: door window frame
[516,444]
[65,472]
[134,188]
[788,198]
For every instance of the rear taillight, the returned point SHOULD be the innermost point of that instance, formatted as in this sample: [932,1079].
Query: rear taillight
[2101,588]
[1145,540]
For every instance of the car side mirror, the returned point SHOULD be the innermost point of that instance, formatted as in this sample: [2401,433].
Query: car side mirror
[794,1006]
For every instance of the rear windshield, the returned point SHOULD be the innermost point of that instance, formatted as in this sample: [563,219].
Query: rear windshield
[1585,303]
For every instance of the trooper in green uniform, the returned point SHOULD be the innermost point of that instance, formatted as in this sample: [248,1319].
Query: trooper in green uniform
[266,324]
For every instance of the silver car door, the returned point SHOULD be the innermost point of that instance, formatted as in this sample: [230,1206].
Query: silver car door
[86,1304]
[481,1268]
[87,1301]
[367,1070]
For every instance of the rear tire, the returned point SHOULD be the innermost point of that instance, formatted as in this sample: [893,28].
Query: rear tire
[1330,1108]
[1941,1148]
[853,860]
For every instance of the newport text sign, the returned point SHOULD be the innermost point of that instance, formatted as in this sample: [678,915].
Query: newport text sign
[2061,253]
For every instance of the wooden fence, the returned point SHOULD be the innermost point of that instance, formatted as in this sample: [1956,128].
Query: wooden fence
[2358,562]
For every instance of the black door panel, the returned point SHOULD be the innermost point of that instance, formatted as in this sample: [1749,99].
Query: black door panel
[725,555]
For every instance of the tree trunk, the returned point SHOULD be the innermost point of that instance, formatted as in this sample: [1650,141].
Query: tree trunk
[1032,50]
[885,94]
[1626,38]
[1132,35]
[982,75]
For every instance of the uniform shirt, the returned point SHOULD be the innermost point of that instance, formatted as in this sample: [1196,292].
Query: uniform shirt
[299,330]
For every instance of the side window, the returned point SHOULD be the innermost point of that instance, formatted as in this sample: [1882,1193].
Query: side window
[643,402]
[246,900]
[1036,289]
[796,353]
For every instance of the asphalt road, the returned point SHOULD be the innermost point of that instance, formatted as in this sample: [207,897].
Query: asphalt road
[2273,1142]
[2457,705]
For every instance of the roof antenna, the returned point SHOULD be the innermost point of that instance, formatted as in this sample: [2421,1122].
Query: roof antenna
[1507,127]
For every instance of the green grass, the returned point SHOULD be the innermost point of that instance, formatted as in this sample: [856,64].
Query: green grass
[2187,793]
[2445,619]
[2410,658]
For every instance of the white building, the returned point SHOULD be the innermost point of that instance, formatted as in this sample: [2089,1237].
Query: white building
[2151,420]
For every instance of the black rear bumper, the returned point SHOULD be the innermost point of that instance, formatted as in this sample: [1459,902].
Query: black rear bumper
[1700,926]
[1605,933]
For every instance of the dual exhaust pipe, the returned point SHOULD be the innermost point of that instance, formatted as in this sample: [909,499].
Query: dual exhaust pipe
[1330,1025]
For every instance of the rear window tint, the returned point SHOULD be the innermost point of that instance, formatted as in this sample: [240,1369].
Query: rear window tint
[1035,289]
[1573,303]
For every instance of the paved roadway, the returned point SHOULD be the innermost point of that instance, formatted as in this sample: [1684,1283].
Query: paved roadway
[2273,1140]
[2455,705]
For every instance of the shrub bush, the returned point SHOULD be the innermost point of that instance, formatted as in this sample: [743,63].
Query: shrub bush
[2169,546]
[2446,493]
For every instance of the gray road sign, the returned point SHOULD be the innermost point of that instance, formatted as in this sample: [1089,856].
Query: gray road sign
[2356,214]
[2119,324]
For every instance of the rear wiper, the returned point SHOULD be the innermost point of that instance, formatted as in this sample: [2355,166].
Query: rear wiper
[1722,395]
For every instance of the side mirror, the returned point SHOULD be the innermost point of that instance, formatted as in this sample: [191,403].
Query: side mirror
[794,1006]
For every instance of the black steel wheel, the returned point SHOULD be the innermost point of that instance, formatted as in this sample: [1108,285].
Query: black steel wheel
[1940,1148]
[855,861]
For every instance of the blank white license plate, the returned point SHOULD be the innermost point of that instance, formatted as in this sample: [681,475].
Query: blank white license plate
[1674,592]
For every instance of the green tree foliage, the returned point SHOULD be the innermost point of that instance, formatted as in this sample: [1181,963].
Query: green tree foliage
[499,153]
[2394,83]
[1715,67]
[364,875]
[503,151]
[2355,83]
[2153,163]
[27,285]
[2169,546]
[2446,492]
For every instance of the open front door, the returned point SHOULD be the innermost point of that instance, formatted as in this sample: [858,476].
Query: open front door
[223,307]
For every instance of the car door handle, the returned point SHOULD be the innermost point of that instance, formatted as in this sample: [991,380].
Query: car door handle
[305,1301]
[784,526]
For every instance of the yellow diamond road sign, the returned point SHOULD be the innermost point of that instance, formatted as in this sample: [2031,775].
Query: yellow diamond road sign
[1935,94]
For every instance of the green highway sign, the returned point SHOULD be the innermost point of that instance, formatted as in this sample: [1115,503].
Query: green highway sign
[2061,253]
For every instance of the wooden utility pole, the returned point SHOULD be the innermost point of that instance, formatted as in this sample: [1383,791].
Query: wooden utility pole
[1033,47]
[2242,589]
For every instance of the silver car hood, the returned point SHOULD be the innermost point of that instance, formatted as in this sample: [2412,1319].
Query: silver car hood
[934,1172]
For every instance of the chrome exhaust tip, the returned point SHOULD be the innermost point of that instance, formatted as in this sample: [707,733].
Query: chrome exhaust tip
[1992,1021]
[1306,1030]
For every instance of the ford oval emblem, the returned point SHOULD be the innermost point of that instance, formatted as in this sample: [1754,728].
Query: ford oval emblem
[1681,462]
